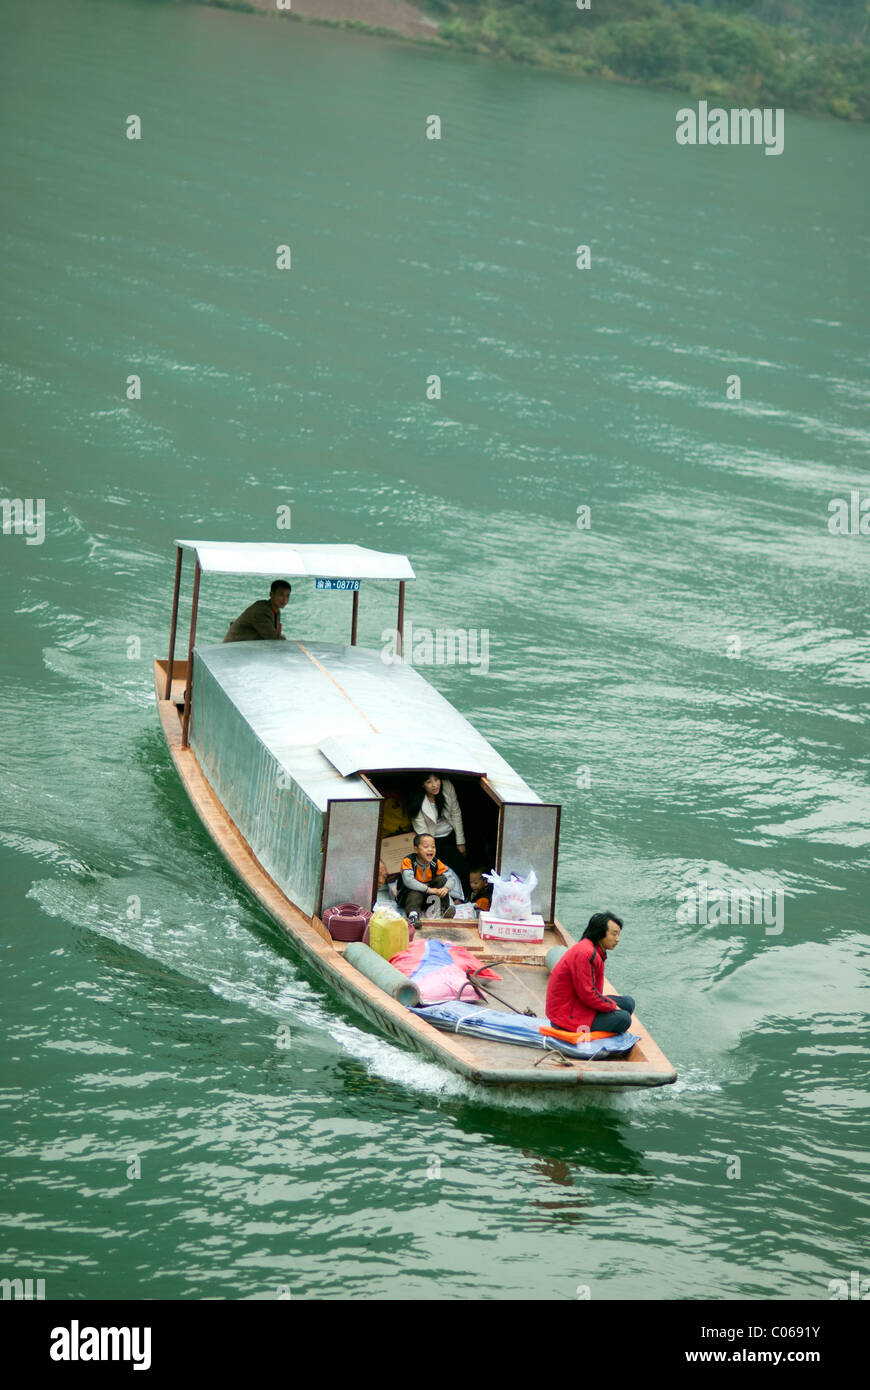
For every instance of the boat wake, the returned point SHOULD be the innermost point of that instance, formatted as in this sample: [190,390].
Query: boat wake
[215,947]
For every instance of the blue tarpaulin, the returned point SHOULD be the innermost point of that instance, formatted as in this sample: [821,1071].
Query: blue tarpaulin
[454,1016]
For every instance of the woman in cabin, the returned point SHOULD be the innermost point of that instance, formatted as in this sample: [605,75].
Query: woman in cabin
[434,810]
[574,994]
[424,876]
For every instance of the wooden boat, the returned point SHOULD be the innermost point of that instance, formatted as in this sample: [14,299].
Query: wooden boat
[287,750]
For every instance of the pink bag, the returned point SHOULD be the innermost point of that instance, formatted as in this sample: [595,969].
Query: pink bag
[438,970]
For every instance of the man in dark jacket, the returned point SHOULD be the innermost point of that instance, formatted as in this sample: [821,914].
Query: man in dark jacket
[262,620]
[574,995]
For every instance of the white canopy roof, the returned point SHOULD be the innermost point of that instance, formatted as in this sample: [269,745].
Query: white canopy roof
[282,560]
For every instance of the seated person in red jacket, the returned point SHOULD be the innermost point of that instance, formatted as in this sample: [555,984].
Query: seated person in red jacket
[574,995]
[424,876]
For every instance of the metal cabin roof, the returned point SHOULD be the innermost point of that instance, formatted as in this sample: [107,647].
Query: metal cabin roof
[300,698]
[281,560]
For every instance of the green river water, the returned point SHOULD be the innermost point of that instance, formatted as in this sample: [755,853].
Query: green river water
[687,675]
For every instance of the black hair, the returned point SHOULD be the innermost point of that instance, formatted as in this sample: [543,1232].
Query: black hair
[426,835]
[280,584]
[419,794]
[597,926]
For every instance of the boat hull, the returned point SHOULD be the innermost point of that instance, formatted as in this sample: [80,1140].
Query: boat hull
[481,1062]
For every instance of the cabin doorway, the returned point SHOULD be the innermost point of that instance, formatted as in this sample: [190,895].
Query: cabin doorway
[400,792]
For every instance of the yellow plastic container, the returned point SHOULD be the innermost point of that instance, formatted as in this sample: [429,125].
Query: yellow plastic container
[388,934]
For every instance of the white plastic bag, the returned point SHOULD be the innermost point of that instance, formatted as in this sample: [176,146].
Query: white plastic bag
[512,897]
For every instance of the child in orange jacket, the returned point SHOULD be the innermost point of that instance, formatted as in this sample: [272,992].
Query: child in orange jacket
[424,877]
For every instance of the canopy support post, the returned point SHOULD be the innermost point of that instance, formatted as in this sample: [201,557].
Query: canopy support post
[168,690]
[354,617]
[185,723]
[400,620]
